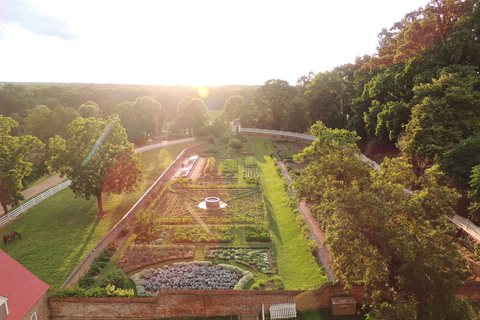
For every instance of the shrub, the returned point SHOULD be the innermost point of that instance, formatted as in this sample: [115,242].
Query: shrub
[146,225]
[211,139]
[114,277]
[235,144]
[278,282]
[86,282]
[211,166]
[77,292]
[124,231]
[477,250]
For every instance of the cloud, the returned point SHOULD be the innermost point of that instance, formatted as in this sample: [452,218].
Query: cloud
[26,15]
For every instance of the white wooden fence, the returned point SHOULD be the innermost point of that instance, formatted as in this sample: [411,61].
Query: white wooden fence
[32,202]
[283,311]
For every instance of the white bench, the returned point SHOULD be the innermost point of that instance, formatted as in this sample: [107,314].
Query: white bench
[283,311]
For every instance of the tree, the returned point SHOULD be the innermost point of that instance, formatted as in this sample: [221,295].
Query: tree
[329,97]
[89,109]
[459,161]
[447,111]
[13,167]
[196,108]
[141,119]
[232,108]
[271,101]
[393,241]
[98,159]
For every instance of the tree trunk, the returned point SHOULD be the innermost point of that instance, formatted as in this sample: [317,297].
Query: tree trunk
[5,209]
[100,204]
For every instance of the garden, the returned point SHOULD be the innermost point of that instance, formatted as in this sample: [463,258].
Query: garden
[177,243]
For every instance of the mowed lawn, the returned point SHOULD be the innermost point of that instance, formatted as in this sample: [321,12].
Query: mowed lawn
[59,232]
[296,265]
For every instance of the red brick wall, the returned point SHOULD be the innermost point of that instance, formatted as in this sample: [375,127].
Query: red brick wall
[206,303]
[192,303]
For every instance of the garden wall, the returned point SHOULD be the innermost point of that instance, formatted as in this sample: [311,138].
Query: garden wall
[194,303]
[113,235]
[281,135]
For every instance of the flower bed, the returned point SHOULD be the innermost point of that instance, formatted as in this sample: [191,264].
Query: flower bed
[141,256]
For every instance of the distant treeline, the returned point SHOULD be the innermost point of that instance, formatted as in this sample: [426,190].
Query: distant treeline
[420,93]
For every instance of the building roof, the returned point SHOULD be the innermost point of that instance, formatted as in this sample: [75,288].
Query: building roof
[21,287]
[236,122]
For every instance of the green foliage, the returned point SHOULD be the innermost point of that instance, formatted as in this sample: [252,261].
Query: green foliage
[257,234]
[255,258]
[475,181]
[459,161]
[14,166]
[228,165]
[437,123]
[235,144]
[356,211]
[202,234]
[97,158]
[146,225]
[114,277]
[108,291]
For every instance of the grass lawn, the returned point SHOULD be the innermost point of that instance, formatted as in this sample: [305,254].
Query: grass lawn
[60,231]
[297,266]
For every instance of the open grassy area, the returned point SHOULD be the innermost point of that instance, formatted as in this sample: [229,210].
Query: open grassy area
[60,231]
[297,266]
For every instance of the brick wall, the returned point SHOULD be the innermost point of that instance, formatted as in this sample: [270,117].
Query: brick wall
[193,303]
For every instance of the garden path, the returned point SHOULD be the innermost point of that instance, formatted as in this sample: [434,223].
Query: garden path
[323,254]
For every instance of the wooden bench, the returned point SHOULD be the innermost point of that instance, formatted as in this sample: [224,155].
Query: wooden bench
[283,311]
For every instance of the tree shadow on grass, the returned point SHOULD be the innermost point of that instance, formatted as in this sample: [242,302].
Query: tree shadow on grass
[272,220]
[74,259]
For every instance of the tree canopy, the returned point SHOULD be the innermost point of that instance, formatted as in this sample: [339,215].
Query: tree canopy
[98,159]
[386,229]
[13,165]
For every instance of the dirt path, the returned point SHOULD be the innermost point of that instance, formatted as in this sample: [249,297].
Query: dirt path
[323,254]
[46,184]
[40,187]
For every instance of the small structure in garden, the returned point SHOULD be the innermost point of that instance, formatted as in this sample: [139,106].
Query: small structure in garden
[212,203]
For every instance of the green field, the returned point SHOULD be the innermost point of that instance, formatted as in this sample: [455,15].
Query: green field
[59,232]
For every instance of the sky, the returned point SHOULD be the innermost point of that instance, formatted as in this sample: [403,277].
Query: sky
[188,42]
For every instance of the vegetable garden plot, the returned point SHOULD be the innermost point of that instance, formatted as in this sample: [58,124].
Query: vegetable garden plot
[258,259]
[281,147]
[191,277]
[203,234]
[244,205]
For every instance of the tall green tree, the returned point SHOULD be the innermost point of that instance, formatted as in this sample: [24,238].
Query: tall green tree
[393,241]
[446,112]
[329,97]
[194,108]
[98,158]
[271,102]
[13,165]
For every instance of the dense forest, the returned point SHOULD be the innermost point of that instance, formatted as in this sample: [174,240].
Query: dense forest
[418,94]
